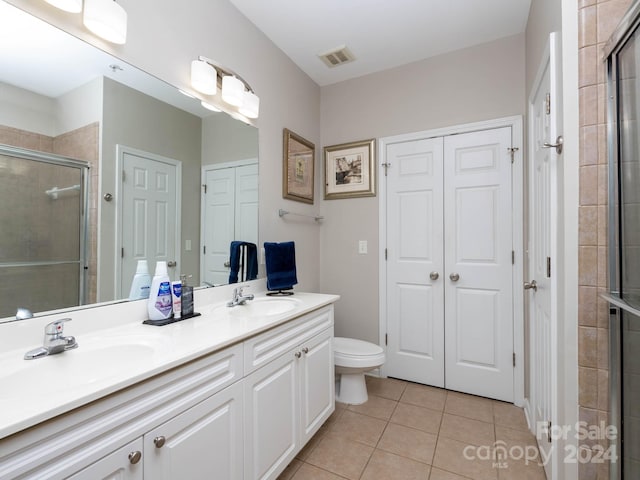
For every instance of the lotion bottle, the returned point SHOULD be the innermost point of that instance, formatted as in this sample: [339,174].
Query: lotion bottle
[141,282]
[159,303]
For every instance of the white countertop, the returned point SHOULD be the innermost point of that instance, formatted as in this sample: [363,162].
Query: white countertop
[110,359]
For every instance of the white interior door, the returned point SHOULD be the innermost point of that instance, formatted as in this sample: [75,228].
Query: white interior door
[415,283]
[449,271]
[229,212]
[149,214]
[545,118]
[478,263]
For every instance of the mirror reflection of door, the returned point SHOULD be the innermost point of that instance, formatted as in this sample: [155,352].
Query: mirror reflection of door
[149,214]
[229,212]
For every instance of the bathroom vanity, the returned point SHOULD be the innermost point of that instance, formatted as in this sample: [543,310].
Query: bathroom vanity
[232,394]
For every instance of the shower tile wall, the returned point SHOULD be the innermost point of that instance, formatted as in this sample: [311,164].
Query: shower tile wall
[81,143]
[597,20]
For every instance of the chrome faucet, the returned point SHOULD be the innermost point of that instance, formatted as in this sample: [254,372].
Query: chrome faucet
[53,342]
[238,298]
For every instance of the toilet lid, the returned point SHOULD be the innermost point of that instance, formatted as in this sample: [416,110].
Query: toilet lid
[352,346]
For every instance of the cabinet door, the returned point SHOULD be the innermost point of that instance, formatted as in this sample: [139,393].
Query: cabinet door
[271,417]
[204,442]
[123,464]
[317,383]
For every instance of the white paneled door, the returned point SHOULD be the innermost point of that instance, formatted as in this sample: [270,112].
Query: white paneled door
[449,262]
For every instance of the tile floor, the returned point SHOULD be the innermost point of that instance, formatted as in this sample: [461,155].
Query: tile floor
[408,431]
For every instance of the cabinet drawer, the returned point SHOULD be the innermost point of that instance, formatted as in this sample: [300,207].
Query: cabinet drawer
[267,346]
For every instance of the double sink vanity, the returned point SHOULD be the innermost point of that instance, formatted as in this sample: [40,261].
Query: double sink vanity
[232,394]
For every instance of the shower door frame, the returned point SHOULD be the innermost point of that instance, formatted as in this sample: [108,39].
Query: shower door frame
[83,167]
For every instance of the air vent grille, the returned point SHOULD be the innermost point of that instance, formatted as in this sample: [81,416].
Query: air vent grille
[337,56]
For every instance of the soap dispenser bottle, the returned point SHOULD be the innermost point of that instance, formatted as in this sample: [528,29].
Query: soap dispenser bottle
[141,282]
[159,303]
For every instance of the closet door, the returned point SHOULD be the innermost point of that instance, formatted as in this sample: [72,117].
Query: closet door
[415,276]
[478,263]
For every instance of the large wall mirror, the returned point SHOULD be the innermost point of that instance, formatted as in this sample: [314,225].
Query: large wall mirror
[102,165]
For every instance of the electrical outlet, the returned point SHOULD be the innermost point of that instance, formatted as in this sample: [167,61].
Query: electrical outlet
[362,247]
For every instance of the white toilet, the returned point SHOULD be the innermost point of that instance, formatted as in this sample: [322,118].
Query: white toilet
[352,359]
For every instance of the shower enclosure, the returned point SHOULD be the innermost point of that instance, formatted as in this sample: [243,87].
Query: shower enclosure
[623,76]
[43,231]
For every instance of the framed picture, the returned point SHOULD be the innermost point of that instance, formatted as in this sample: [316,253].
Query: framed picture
[299,155]
[350,170]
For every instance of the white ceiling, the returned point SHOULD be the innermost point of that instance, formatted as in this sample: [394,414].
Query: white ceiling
[381,34]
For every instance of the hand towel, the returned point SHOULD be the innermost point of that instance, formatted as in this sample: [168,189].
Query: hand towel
[280,259]
[243,254]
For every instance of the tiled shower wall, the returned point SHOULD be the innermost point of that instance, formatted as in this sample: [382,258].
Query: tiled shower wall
[82,144]
[597,20]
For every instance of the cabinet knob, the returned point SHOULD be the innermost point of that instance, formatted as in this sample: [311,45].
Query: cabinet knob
[305,350]
[159,441]
[134,457]
[298,354]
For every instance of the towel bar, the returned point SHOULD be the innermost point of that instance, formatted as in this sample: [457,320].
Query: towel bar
[282,213]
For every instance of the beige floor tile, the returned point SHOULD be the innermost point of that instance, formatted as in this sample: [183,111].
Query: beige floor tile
[521,470]
[467,430]
[509,415]
[437,474]
[340,456]
[417,417]
[335,416]
[309,472]
[424,396]
[311,444]
[291,470]
[386,466]
[469,406]
[377,407]
[390,388]
[359,428]
[457,457]
[408,442]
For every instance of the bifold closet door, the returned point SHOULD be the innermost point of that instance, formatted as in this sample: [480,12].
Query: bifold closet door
[415,295]
[478,263]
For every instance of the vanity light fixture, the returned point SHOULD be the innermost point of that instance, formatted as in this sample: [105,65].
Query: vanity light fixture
[208,106]
[106,19]
[72,6]
[207,76]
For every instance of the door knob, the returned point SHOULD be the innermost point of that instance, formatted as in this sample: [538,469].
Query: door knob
[298,354]
[434,275]
[159,441]
[172,263]
[532,285]
[557,145]
[454,277]
[227,264]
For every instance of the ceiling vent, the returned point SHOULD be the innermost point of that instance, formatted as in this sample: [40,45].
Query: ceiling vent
[337,56]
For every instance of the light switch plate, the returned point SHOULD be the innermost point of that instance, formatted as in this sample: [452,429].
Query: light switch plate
[362,247]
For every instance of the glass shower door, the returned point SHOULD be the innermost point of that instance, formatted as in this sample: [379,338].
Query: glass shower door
[43,234]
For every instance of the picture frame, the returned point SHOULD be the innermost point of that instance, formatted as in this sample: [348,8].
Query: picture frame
[297,167]
[350,170]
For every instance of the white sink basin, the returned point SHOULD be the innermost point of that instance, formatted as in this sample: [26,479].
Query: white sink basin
[260,307]
[93,361]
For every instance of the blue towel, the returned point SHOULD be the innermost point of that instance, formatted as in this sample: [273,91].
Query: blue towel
[250,262]
[280,259]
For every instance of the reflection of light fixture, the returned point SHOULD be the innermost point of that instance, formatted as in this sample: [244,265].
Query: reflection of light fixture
[250,105]
[206,76]
[73,6]
[106,19]
[208,106]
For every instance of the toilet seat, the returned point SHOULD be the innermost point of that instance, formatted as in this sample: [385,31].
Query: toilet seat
[353,353]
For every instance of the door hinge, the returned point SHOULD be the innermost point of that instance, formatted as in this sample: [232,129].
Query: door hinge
[204,249]
[549,431]
[547,104]
[123,175]
[513,257]
[548,267]
[386,339]
[204,188]
[386,253]
[122,252]
[512,151]
[386,167]
[514,359]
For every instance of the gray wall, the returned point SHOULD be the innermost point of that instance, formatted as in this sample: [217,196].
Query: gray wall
[139,121]
[545,16]
[474,84]
[226,140]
